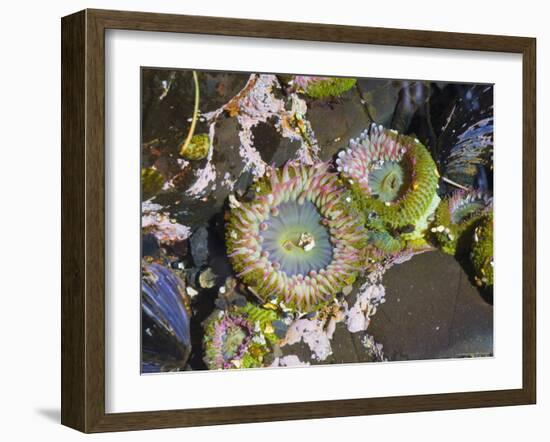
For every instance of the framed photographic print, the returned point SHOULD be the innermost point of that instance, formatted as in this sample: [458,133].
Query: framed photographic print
[265,221]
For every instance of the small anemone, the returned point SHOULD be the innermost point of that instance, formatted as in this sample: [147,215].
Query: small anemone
[482,252]
[226,340]
[456,217]
[323,87]
[297,241]
[240,337]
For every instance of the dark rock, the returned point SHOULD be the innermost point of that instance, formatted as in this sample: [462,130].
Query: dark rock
[343,349]
[149,245]
[347,118]
[243,183]
[273,148]
[380,98]
[432,311]
[411,100]
[199,246]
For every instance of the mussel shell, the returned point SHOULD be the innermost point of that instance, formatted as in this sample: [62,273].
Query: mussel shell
[166,338]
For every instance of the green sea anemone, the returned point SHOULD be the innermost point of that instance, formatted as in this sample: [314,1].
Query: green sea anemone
[455,219]
[323,87]
[297,241]
[239,338]
[482,252]
[197,149]
[394,181]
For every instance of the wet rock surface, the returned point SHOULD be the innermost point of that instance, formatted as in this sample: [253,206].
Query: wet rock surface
[348,117]
[432,311]
[424,317]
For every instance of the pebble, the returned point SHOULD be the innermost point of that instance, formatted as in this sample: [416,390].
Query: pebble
[199,246]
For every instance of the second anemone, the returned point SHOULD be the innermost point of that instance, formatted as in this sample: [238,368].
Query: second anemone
[393,177]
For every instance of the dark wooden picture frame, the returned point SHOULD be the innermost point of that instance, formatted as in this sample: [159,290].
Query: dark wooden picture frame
[83,220]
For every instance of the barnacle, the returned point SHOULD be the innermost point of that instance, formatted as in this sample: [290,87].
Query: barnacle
[394,183]
[297,241]
[323,87]
[456,217]
[482,252]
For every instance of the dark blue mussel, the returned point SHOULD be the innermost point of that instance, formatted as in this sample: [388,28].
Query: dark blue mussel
[165,315]
[464,150]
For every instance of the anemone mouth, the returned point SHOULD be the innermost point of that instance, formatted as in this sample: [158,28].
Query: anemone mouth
[392,176]
[232,341]
[388,180]
[297,240]
[376,162]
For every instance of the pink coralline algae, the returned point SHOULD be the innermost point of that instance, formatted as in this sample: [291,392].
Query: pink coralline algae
[368,299]
[289,361]
[158,223]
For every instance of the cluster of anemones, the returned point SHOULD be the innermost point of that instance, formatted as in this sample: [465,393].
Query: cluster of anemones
[297,241]
[394,182]
[456,217]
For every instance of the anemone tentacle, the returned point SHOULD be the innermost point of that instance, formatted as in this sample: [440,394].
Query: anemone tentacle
[303,244]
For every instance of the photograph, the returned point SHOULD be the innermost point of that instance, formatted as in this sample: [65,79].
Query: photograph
[268,222]
[293,220]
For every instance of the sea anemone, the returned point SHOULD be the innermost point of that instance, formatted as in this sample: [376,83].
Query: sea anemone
[166,342]
[323,87]
[238,338]
[394,182]
[456,217]
[482,252]
[298,240]
[226,340]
